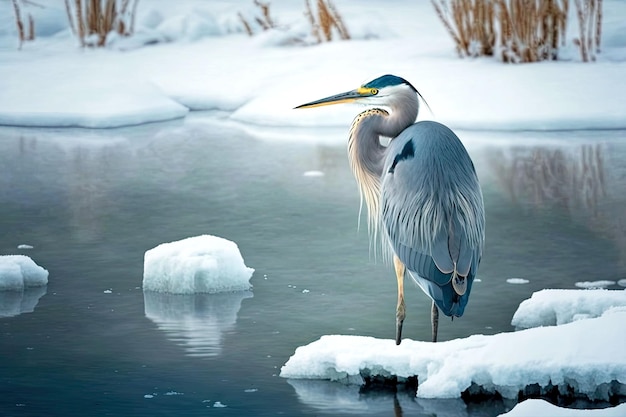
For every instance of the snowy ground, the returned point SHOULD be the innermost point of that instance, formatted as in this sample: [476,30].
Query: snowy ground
[203,60]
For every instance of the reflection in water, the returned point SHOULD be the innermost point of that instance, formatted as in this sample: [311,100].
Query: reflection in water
[575,180]
[334,398]
[197,321]
[14,303]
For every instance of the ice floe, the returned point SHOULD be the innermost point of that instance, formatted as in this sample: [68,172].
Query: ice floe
[556,307]
[20,271]
[199,264]
[537,408]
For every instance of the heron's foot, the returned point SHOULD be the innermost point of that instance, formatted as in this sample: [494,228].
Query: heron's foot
[399,323]
[459,284]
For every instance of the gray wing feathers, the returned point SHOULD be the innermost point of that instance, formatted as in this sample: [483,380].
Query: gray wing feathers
[432,203]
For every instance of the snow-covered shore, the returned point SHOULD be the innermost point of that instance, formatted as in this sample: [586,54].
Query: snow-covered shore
[209,63]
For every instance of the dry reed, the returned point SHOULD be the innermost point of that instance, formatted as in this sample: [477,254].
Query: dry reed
[96,19]
[327,22]
[589,14]
[264,21]
[526,30]
[470,23]
[531,30]
[25,32]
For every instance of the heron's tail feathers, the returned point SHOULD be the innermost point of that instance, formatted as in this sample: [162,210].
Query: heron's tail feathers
[459,283]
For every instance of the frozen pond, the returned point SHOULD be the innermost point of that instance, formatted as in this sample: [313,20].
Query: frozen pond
[91,203]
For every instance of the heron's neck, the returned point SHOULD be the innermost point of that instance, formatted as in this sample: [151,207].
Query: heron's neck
[404,107]
[366,156]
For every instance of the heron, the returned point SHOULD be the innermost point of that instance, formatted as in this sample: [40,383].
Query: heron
[423,198]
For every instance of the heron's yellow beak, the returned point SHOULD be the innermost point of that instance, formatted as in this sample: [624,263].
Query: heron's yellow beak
[348,96]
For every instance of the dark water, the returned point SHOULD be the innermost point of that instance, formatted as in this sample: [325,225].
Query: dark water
[92,202]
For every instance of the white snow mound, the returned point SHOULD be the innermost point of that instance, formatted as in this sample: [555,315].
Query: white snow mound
[20,271]
[200,264]
[556,307]
[543,408]
[506,363]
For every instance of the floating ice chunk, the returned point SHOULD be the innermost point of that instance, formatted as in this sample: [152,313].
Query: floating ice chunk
[218,404]
[594,284]
[556,307]
[313,174]
[584,357]
[200,264]
[543,408]
[622,282]
[24,246]
[20,271]
[517,281]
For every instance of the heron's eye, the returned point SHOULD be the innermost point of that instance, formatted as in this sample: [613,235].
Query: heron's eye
[374,91]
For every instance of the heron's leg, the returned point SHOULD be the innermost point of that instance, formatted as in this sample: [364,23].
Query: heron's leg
[400,309]
[434,320]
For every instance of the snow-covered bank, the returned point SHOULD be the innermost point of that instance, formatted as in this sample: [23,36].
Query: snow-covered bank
[506,363]
[209,64]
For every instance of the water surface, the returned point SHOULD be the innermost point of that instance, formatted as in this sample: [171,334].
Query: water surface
[92,202]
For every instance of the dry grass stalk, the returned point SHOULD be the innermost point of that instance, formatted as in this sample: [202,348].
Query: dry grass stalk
[245,24]
[264,21]
[529,30]
[328,20]
[341,27]
[315,29]
[470,23]
[97,18]
[24,32]
[589,14]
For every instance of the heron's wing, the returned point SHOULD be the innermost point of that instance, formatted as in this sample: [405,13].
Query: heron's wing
[432,208]
[450,247]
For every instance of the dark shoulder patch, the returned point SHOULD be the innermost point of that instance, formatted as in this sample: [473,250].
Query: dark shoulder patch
[408,152]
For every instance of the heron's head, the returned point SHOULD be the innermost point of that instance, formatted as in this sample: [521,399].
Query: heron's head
[380,92]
